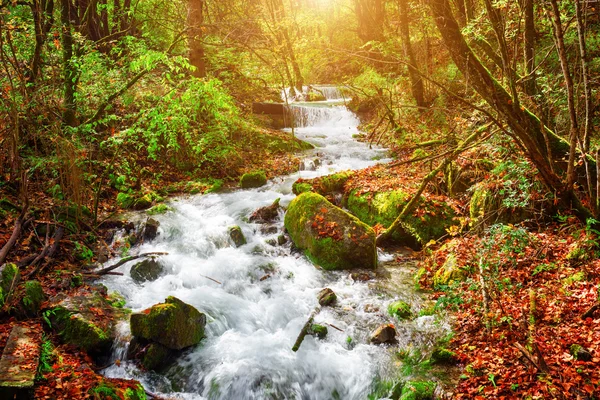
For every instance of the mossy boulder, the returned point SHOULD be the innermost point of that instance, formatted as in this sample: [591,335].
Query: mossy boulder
[143,202]
[85,320]
[33,298]
[428,222]
[400,309]
[443,356]
[253,180]
[327,297]
[10,276]
[174,324]
[418,390]
[156,357]
[329,236]
[324,185]
[148,270]
[482,203]
[450,271]
[236,235]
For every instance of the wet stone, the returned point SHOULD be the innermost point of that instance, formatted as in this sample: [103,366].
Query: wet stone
[384,334]
[326,297]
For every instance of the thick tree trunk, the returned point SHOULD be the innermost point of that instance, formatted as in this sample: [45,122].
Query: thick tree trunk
[195,20]
[525,126]
[585,73]
[417,88]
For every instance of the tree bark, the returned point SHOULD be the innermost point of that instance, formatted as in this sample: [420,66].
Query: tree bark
[69,74]
[585,73]
[564,63]
[195,20]
[529,53]
[417,88]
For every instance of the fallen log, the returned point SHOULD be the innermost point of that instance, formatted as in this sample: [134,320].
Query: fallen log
[20,224]
[305,329]
[48,252]
[124,260]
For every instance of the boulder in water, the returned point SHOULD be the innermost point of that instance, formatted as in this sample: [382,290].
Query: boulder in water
[174,324]
[151,229]
[386,333]
[253,180]
[400,309]
[266,214]
[148,270]
[235,233]
[327,297]
[330,237]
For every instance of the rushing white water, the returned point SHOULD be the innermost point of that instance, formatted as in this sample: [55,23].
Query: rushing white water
[331,93]
[253,322]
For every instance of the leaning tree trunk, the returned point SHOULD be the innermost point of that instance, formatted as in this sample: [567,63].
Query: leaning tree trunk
[195,20]
[529,84]
[526,127]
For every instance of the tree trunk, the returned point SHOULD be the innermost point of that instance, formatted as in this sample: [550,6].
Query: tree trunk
[417,89]
[586,77]
[370,15]
[526,127]
[69,74]
[564,63]
[530,84]
[195,20]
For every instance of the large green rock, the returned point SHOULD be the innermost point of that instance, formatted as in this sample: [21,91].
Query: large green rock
[330,237]
[428,222]
[253,180]
[174,324]
[33,298]
[85,320]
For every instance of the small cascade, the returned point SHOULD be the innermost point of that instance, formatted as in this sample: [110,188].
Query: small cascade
[330,92]
[308,116]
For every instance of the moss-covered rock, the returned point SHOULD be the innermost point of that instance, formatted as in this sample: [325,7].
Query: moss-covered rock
[448,272]
[330,237]
[105,390]
[143,202]
[148,270]
[418,390]
[236,235]
[10,276]
[159,209]
[253,180]
[442,355]
[400,309]
[428,222]
[85,320]
[481,203]
[33,298]
[324,185]
[327,297]
[174,324]
[156,357]
[301,187]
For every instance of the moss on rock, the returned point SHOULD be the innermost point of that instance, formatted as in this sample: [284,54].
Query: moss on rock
[428,223]
[319,331]
[9,279]
[174,324]
[156,357]
[253,179]
[418,390]
[400,309]
[147,270]
[448,272]
[34,296]
[301,187]
[330,237]
[237,236]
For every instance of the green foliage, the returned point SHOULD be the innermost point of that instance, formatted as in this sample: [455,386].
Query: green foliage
[47,356]
[159,209]
[82,252]
[195,122]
